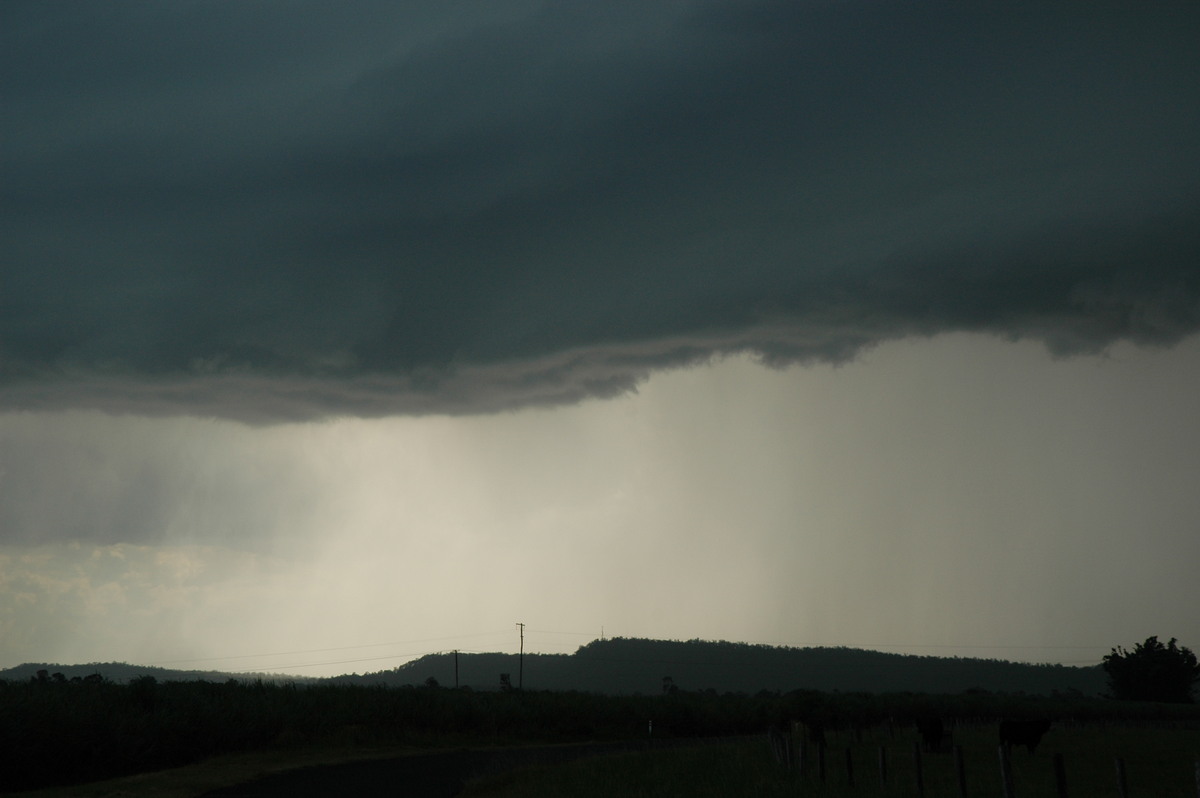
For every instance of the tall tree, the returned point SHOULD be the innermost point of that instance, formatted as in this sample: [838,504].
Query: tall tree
[1152,672]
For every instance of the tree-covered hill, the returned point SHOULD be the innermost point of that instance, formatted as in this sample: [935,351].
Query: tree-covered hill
[122,673]
[626,666]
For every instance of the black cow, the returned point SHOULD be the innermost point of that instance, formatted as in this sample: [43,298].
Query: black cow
[1023,732]
[931,731]
[816,731]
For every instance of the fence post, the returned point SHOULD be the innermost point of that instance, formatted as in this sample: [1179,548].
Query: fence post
[1122,784]
[917,768]
[1006,780]
[961,770]
[781,744]
[883,767]
[800,758]
[1196,766]
[849,768]
[821,761]
[1060,776]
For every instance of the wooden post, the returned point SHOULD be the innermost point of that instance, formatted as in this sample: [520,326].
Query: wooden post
[1122,784]
[1006,780]
[1060,776]
[781,745]
[821,761]
[800,757]
[849,768]
[920,777]
[882,766]
[1196,767]
[961,771]
[521,671]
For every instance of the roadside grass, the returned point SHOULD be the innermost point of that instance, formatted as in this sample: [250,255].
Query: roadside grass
[702,771]
[1159,762]
[218,771]
[228,770]
[223,734]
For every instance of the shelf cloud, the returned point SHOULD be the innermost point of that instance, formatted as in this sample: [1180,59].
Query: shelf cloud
[284,212]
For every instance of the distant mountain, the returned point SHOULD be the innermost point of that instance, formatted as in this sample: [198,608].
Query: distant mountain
[626,666]
[122,673]
[623,666]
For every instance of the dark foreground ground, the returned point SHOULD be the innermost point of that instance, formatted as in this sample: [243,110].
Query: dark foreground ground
[434,775]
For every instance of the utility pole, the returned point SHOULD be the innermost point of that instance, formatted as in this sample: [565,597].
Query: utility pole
[456,669]
[521,661]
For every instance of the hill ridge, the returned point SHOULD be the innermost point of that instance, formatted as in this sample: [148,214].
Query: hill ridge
[639,665]
[626,666]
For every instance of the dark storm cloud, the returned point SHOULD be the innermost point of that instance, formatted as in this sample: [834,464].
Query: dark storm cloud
[271,211]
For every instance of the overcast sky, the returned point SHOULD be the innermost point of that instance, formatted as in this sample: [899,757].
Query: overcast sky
[334,334]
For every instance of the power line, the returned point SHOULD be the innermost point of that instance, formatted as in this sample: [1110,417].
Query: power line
[639,660]
[299,652]
[371,659]
[325,650]
[789,644]
[1001,647]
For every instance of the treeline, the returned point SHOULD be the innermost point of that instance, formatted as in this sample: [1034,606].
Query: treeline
[624,666]
[59,731]
[628,665]
[121,672]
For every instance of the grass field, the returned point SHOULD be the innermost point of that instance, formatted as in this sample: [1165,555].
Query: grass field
[1160,763]
[175,740]
[219,771]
